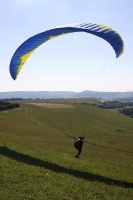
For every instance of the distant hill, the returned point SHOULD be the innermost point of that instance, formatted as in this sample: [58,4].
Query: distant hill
[66,94]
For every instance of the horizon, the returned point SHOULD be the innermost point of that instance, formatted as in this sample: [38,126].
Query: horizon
[65,91]
[68,91]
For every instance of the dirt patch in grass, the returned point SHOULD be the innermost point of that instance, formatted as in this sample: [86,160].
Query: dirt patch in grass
[52,105]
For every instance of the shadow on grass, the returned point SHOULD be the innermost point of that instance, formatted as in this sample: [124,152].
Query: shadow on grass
[60,169]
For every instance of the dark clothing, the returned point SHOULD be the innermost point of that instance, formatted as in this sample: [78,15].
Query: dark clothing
[78,145]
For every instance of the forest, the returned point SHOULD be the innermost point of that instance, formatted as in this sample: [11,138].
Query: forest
[8,106]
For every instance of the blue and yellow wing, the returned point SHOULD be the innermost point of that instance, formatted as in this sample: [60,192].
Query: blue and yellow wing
[30,45]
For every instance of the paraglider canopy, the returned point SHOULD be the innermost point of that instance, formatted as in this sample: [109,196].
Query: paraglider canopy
[29,46]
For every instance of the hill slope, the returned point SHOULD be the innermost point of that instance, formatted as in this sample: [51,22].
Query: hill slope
[37,154]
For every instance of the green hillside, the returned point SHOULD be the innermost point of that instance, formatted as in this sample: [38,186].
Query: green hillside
[37,154]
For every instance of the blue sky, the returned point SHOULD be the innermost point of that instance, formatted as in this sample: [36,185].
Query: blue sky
[73,62]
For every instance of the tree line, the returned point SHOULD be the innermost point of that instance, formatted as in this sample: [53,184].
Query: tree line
[111,105]
[8,106]
[127,111]
[125,108]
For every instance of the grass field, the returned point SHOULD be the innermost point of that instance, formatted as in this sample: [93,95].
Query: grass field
[37,154]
